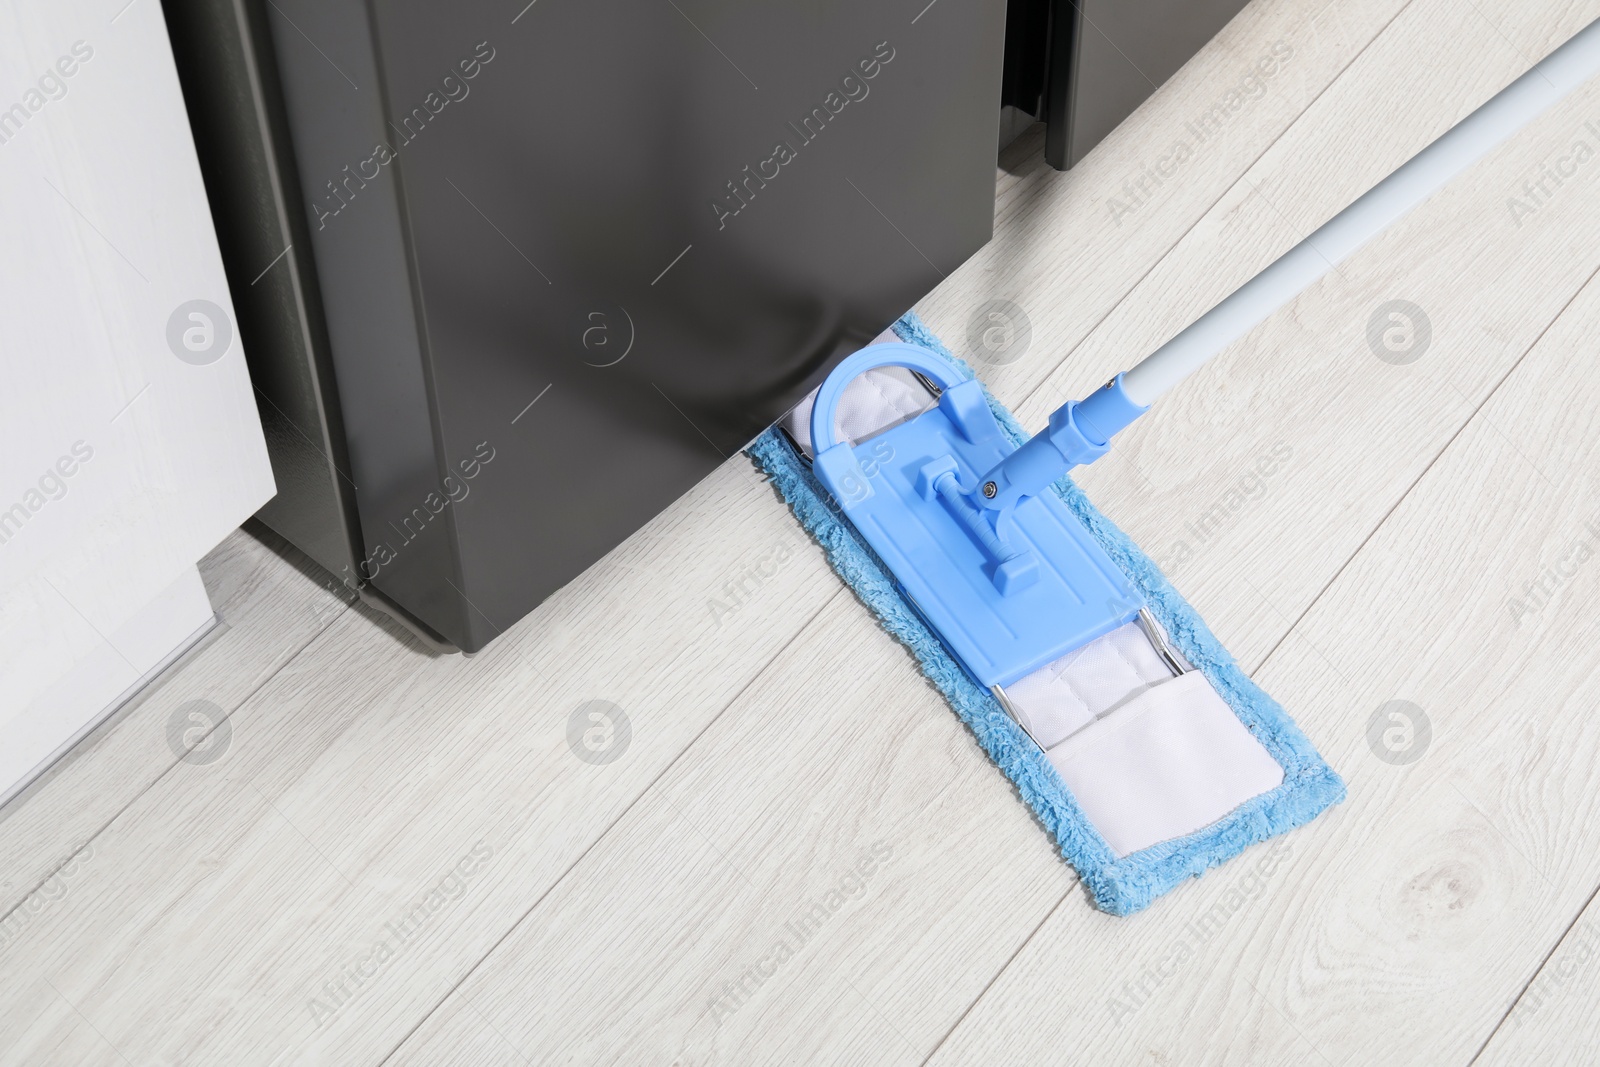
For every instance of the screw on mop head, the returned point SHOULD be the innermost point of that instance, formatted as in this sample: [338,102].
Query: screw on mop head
[998,567]
[1008,577]
[954,516]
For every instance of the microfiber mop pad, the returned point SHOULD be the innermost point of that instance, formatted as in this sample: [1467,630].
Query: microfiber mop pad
[1035,591]
[1119,884]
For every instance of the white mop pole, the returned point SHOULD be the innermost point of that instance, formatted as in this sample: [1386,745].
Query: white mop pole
[1512,108]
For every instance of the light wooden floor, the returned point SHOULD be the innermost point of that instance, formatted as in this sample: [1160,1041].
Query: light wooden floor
[397,858]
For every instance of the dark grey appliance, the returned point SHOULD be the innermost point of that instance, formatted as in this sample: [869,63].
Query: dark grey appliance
[512,276]
[1082,66]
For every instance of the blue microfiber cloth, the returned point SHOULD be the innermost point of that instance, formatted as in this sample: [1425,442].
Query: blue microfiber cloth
[1119,886]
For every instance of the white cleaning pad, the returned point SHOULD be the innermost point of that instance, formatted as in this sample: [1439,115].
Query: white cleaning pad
[871,404]
[1168,761]
[1063,697]
[1148,756]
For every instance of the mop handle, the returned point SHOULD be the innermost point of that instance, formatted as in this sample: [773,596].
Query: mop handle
[1080,431]
[1291,273]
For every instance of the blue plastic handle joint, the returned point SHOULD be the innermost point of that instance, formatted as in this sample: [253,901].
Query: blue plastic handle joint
[1009,587]
[1079,432]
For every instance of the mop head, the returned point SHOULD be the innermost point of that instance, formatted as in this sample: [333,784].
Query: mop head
[1119,883]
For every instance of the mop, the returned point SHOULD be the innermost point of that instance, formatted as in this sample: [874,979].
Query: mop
[1132,734]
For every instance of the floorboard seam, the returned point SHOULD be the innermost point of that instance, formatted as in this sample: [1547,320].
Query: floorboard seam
[1534,977]
[1466,423]
[995,977]
[623,814]
[1159,260]
[1162,258]
[168,769]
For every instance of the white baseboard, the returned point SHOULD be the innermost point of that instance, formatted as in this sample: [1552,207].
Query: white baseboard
[102,681]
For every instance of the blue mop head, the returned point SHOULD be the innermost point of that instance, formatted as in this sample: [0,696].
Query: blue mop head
[1119,886]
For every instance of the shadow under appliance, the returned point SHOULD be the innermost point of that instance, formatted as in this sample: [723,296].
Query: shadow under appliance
[511,278]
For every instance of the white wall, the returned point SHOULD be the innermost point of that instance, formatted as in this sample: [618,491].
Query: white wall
[121,464]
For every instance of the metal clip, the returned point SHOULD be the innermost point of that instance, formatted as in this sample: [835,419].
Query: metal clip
[1158,639]
[1005,704]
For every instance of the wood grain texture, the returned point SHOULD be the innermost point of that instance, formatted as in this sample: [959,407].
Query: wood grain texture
[815,880]
[402,858]
[1067,258]
[1402,926]
[634,1003]
[269,611]
[359,779]
[1557,1017]
[1305,382]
